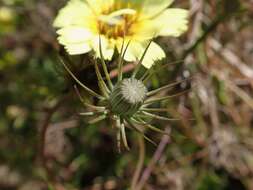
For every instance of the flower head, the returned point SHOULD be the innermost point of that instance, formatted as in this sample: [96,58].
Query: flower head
[83,22]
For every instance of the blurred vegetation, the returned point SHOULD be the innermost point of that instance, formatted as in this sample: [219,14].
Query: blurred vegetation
[45,144]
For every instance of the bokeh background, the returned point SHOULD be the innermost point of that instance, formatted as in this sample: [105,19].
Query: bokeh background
[45,144]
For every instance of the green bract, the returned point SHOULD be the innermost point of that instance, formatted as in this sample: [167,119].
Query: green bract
[125,104]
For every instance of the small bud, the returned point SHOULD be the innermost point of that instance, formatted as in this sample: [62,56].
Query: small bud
[127,97]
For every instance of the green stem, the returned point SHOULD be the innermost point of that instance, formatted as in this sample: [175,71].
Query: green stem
[91,92]
[153,100]
[123,134]
[139,131]
[107,76]
[159,117]
[120,64]
[97,108]
[153,128]
[140,62]
[101,83]
[167,86]
[147,75]
[97,119]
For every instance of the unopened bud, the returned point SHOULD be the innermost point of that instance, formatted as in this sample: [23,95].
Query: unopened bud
[127,97]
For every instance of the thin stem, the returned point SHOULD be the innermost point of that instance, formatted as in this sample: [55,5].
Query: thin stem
[153,100]
[167,86]
[92,113]
[122,55]
[119,140]
[120,64]
[101,83]
[97,119]
[156,157]
[153,128]
[148,74]
[154,109]
[91,92]
[107,76]
[137,68]
[140,132]
[97,108]
[87,113]
[123,134]
[140,162]
[154,116]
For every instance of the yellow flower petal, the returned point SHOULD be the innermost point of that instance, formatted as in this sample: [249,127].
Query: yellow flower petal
[144,30]
[72,34]
[106,46]
[154,7]
[76,12]
[80,48]
[154,53]
[76,40]
[83,21]
[136,50]
[98,6]
[172,22]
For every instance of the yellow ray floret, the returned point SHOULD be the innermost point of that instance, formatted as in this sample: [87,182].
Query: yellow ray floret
[82,22]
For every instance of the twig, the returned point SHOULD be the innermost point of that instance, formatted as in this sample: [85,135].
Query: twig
[156,157]
[219,19]
[140,162]
[231,58]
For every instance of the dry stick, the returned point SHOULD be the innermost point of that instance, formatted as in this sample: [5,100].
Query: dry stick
[140,163]
[231,58]
[219,19]
[156,157]
[238,91]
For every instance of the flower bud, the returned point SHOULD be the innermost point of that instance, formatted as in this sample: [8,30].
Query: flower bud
[127,97]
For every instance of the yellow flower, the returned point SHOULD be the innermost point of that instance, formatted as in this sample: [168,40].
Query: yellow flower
[6,15]
[82,22]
